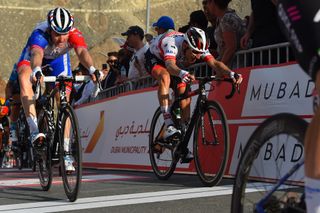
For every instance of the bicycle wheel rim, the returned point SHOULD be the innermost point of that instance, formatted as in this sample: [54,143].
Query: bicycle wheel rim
[283,131]
[211,144]
[43,158]
[161,158]
[71,179]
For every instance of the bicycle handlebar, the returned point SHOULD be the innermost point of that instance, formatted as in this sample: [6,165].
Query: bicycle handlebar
[50,79]
[77,78]
[234,88]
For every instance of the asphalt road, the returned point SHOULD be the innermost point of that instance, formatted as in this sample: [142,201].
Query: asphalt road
[113,191]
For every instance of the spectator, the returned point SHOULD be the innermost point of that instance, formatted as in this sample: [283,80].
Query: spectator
[229,29]
[148,37]
[124,55]
[84,90]
[112,73]
[210,29]
[263,27]
[184,28]
[262,30]
[135,37]
[198,19]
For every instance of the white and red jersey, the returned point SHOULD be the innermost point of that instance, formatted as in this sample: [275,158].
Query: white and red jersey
[169,46]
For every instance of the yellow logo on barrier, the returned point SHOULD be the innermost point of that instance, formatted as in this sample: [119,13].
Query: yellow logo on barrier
[96,135]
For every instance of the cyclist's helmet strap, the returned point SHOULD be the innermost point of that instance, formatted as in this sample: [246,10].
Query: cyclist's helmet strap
[60,20]
[197,40]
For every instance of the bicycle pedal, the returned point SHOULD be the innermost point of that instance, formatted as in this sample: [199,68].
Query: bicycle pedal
[186,159]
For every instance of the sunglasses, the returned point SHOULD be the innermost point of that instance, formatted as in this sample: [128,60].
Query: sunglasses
[196,52]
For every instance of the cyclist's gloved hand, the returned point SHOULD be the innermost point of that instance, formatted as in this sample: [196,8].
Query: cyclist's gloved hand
[185,76]
[237,78]
[36,72]
[96,74]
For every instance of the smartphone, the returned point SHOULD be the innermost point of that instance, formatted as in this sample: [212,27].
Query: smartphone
[104,66]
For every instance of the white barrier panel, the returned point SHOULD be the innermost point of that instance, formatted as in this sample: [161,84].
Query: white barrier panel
[115,131]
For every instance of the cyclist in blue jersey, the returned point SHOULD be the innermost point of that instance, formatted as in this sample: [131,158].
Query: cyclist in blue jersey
[49,44]
[301,21]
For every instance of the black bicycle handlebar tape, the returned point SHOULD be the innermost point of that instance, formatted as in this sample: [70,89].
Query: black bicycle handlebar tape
[38,75]
[233,88]
[98,75]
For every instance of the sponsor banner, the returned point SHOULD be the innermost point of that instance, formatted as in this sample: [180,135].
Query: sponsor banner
[275,159]
[272,90]
[115,131]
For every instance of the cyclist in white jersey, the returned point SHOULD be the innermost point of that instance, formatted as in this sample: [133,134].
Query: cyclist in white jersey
[168,55]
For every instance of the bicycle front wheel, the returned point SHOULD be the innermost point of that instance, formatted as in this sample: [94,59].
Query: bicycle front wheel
[70,153]
[274,150]
[161,155]
[43,157]
[211,144]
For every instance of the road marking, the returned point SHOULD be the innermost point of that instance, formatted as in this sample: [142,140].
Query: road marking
[129,199]
[87,178]
[118,200]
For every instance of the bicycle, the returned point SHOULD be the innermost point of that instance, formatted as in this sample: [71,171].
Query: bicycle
[279,186]
[62,138]
[22,149]
[210,142]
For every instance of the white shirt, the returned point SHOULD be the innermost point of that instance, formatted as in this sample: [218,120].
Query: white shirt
[139,59]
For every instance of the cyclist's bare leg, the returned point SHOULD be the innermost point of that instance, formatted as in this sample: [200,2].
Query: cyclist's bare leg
[26,94]
[312,159]
[163,78]
[185,106]
[15,109]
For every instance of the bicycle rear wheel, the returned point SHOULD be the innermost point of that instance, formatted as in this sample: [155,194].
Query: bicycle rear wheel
[211,144]
[161,156]
[273,149]
[70,150]
[42,157]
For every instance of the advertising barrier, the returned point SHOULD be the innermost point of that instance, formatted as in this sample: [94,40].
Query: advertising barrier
[115,131]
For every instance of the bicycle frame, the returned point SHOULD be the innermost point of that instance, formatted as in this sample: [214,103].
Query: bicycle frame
[48,105]
[201,102]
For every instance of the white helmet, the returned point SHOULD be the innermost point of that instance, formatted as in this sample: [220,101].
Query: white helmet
[60,20]
[197,40]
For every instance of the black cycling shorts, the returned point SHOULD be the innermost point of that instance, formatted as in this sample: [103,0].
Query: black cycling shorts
[300,20]
[152,62]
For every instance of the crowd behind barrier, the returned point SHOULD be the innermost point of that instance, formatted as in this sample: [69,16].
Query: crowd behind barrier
[272,54]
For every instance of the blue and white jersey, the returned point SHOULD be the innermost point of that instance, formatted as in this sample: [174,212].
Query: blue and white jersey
[57,57]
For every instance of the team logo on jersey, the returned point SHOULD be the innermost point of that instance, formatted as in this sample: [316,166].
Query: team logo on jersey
[317,17]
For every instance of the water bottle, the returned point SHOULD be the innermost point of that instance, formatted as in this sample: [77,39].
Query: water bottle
[177,113]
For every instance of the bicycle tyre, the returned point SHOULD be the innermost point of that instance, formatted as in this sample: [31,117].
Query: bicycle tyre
[71,180]
[163,172]
[281,126]
[23,133]
[210,152]
[43,159]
